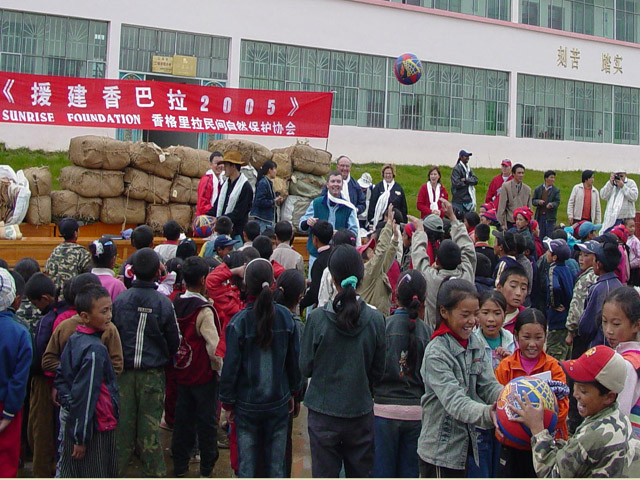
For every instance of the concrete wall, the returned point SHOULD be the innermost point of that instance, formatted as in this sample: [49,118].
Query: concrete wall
[381,28]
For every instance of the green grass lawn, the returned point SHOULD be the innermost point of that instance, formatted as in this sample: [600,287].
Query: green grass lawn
[411,177]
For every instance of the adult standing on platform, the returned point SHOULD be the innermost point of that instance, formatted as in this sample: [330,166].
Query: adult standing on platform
[463,184]
[430,194]
[493,194]
[584,201]
[330,206]
[514,194]
[385,193]
[236,195]
[621,194]
[209,185]
[546,198]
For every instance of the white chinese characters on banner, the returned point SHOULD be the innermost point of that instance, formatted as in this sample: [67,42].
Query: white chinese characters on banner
[77,96]
[41,94]
[111,96]
[144,97]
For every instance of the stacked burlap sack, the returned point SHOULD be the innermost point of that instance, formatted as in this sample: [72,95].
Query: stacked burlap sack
[117,182]
[39,212]
[300,174]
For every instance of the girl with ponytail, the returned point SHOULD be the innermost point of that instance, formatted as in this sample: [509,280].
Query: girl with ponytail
[260,375]
[342,354]
[397,396]
[103,254]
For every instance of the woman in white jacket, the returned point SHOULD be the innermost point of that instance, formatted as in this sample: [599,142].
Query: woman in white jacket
[576,200]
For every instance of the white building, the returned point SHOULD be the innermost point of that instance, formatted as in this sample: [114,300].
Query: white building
[547,83]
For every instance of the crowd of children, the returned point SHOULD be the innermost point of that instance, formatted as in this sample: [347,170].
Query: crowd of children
[398,347]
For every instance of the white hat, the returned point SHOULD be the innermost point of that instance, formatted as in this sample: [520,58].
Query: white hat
[7,289]
[365,180]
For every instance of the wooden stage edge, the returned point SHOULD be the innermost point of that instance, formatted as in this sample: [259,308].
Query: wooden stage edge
[38,242]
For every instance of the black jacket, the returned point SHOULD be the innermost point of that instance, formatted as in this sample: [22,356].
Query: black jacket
[311,297]
[460,189]
[147,325]
[396,197]
[240,214]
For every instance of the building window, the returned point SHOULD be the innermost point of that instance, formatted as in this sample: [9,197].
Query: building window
[139,44]
[619,19]
[52,45]
[498,9]
[557,109]
[447,98]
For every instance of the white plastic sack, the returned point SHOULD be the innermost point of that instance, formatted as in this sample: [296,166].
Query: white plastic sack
[19,190]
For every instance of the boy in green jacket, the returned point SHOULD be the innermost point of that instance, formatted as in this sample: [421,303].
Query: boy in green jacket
[603,444]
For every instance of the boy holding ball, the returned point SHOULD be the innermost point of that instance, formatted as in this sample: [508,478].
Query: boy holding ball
[603,444]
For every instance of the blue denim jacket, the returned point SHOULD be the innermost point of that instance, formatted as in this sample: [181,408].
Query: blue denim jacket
[257,379]
[589,324]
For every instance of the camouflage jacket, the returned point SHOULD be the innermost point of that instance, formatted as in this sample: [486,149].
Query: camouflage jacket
[66,261]
[603,446]
[580,290]
[30,314]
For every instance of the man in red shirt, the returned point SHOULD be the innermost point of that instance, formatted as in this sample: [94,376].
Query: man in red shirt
[209,185]
[493,194]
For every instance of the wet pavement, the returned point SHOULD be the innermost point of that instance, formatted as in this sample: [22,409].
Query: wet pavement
[301,467]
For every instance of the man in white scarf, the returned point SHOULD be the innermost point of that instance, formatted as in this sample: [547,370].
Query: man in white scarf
[236,195]
[209,185]
[331,207]
[621,194]
[350,190]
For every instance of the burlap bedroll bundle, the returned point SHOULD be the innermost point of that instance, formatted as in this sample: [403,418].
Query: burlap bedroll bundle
[122,210]
[39,180]
[92,183]
[184,190]
[158,215]
[151,158]
[92,151]
[65,203]
[39,212]
[194,163]
[253,154]
[142,186]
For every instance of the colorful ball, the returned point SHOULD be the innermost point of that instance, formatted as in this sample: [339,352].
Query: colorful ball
[203,226]
[537,392]
[408,69]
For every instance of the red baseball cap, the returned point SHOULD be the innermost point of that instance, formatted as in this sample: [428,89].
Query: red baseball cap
[598,364]
[506,161]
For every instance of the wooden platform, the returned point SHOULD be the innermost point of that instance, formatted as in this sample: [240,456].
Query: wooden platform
[38,242]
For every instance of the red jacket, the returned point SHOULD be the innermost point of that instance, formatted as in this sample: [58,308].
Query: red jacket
[226,300]
[424,204]
[493,196]
[277,269]
[205,191]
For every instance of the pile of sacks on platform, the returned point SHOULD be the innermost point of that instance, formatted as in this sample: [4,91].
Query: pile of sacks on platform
[300,174]
[119,182]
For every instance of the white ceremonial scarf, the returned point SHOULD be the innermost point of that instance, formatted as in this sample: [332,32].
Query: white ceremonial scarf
[345,189]
[433,204]
[341,201]
[613,208]
[216,186]
[383,202]
[233,198]
[472,189]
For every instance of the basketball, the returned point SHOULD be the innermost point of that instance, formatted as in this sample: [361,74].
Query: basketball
[203,226]
[537,392]
[408,69]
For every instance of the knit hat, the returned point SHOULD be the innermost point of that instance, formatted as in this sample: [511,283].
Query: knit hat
[491,215]
[621,232]
[598,364]
[409,229]
[7,289]
[525,212]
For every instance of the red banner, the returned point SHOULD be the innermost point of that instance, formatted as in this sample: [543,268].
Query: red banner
[151,105]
